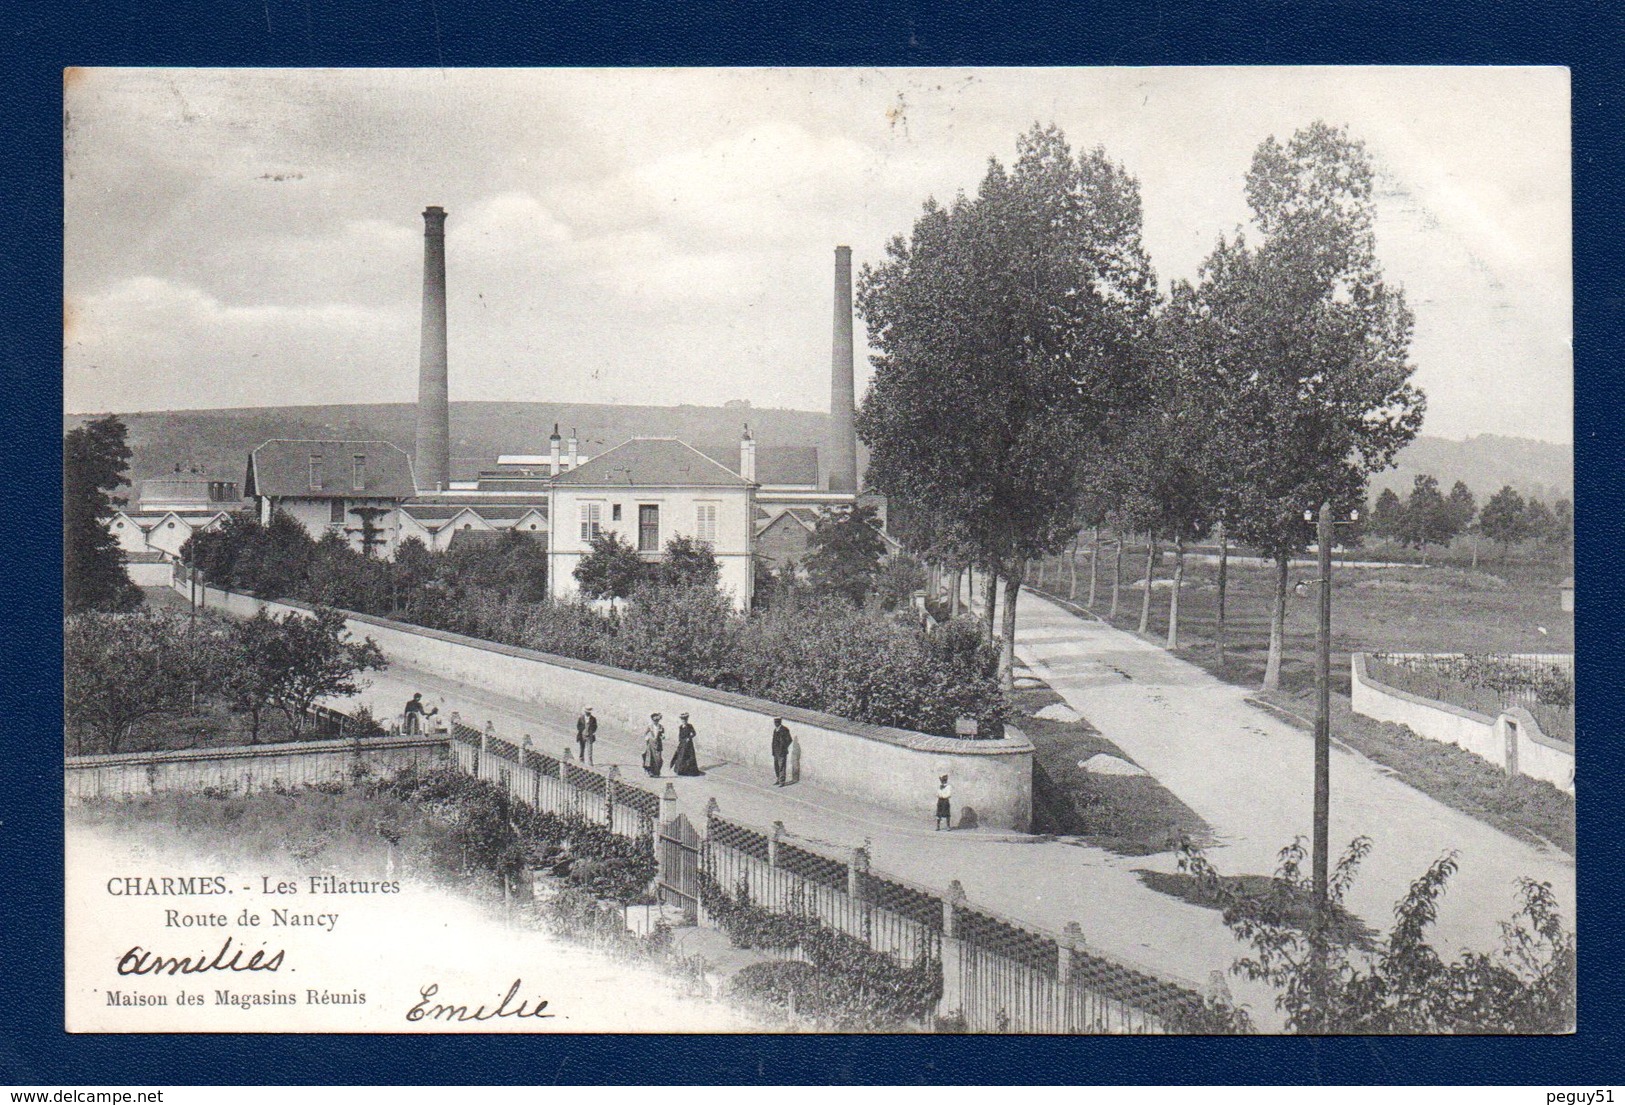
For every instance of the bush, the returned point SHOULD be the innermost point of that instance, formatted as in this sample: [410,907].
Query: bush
[845,983]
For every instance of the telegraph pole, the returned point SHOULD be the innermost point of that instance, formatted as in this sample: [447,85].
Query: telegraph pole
[1323,717]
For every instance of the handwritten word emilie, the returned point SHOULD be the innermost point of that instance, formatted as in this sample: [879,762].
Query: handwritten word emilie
[441,1011]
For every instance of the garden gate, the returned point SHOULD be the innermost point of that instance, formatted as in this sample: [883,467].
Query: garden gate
[679,881]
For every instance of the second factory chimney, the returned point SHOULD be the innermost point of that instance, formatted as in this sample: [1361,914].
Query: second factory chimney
[842,445]
[433,459]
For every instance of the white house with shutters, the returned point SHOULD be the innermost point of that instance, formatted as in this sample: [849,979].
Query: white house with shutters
[649,490]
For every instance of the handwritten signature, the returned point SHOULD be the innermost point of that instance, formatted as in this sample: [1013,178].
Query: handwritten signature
[140,961]
[428,1010]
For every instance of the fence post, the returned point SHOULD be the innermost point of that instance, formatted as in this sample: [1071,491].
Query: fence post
[953,957]
[773,843]
[1071,938]
[535,776]
[666,859]
[485,737]
[611,778]
[857,866]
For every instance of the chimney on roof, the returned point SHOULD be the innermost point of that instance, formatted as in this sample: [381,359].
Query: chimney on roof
[747,456]
[433,459]
[841,446]
[575,457]
[553,451]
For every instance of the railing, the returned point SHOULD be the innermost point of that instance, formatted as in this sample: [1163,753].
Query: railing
[999,975]
[1488,684]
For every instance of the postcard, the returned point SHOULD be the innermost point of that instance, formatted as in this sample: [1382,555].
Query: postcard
[795,550]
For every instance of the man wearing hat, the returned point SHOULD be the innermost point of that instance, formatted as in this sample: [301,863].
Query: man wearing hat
[781,752]
[586,733]
[945,795]
[685,761]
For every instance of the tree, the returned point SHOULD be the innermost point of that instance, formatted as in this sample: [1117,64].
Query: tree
[95,460]
[896,580]
[1402,985]
[1563,522]
[688,563]
[1010,327]
[121,668]
[289,662]
[1463,507]
[844,552]
[1312,351]
[1538,521]
[1427,518]
[1504,519]
[611,570]
[1387,515]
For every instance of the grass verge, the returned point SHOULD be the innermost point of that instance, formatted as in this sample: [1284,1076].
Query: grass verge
[1131,815]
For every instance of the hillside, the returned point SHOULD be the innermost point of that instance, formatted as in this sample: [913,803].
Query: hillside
[1485,463]
[218,441]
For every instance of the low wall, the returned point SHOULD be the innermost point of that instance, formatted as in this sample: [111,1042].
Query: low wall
[895,768]
[150,573]
[244,768]
[1536,754]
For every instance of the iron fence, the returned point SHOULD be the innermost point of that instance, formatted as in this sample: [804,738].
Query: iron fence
[1487,684]
[999,975]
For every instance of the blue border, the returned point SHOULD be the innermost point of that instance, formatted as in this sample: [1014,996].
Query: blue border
[43,36]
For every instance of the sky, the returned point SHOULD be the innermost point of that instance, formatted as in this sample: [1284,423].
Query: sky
[254,237]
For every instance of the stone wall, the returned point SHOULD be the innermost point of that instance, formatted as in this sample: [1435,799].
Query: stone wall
[1513,731]
[242,768]
[895,768]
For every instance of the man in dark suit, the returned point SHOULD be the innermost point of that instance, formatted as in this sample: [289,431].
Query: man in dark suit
[781,752]
[586,733]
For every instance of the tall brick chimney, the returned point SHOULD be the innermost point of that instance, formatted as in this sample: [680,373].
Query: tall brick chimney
[841,448]
[433,459]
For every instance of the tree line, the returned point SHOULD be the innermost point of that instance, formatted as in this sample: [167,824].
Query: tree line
[1428,517]
[1032,380]
[121,669]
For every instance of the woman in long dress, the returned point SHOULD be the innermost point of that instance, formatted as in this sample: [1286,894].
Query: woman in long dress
[685,761]
[654,746]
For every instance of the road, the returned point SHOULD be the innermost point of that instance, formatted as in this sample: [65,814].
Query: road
[1249,775]
[1041,881]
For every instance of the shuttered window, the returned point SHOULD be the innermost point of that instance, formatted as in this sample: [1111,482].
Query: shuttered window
[592,520]
[705,522]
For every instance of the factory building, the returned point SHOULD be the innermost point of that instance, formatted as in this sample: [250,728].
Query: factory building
[648,488]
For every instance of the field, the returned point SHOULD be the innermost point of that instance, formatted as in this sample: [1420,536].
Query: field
[1444,608]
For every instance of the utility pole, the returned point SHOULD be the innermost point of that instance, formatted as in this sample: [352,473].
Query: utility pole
[1323,717]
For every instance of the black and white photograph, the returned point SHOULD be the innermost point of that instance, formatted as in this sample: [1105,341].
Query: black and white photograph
[819,550]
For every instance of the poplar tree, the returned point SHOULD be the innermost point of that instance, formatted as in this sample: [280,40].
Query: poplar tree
[1010,327]
[1315,347]
[95,460]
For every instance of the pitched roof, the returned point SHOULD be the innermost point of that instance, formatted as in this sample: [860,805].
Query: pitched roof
[651,462]
[788,465]
[473,538]
[280,468]
[807,519]
[490,512]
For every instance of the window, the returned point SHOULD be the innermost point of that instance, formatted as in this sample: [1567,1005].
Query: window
[358,472]
[705,522]
[592,521]
[648,527]
[315,471]
[615,512]
[336,512]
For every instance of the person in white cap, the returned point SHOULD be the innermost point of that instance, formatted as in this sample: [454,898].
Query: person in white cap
[945,794]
